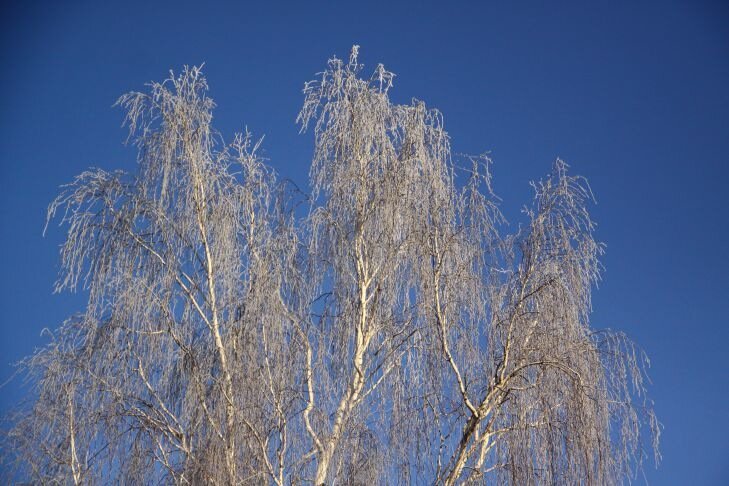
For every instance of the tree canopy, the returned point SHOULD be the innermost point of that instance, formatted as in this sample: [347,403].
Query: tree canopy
[391,332]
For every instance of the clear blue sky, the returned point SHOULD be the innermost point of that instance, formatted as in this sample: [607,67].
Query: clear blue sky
[634,95]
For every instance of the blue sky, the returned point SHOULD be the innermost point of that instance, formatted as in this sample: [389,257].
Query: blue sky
[633,95]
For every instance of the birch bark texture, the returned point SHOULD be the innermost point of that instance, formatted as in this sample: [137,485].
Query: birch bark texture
[392,334]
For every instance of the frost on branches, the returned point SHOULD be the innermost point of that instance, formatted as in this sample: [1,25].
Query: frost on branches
[393,335]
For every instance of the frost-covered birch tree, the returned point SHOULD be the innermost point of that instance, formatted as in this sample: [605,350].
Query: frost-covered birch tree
[179,370]
[393,335]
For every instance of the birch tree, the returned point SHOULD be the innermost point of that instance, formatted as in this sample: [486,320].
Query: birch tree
[171,372]
[395,334]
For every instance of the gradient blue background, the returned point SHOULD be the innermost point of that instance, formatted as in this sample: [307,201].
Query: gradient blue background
[634,95]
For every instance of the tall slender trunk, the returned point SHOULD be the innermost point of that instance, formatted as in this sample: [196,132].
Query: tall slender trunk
[75,467]
[229,437]
[357,377]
